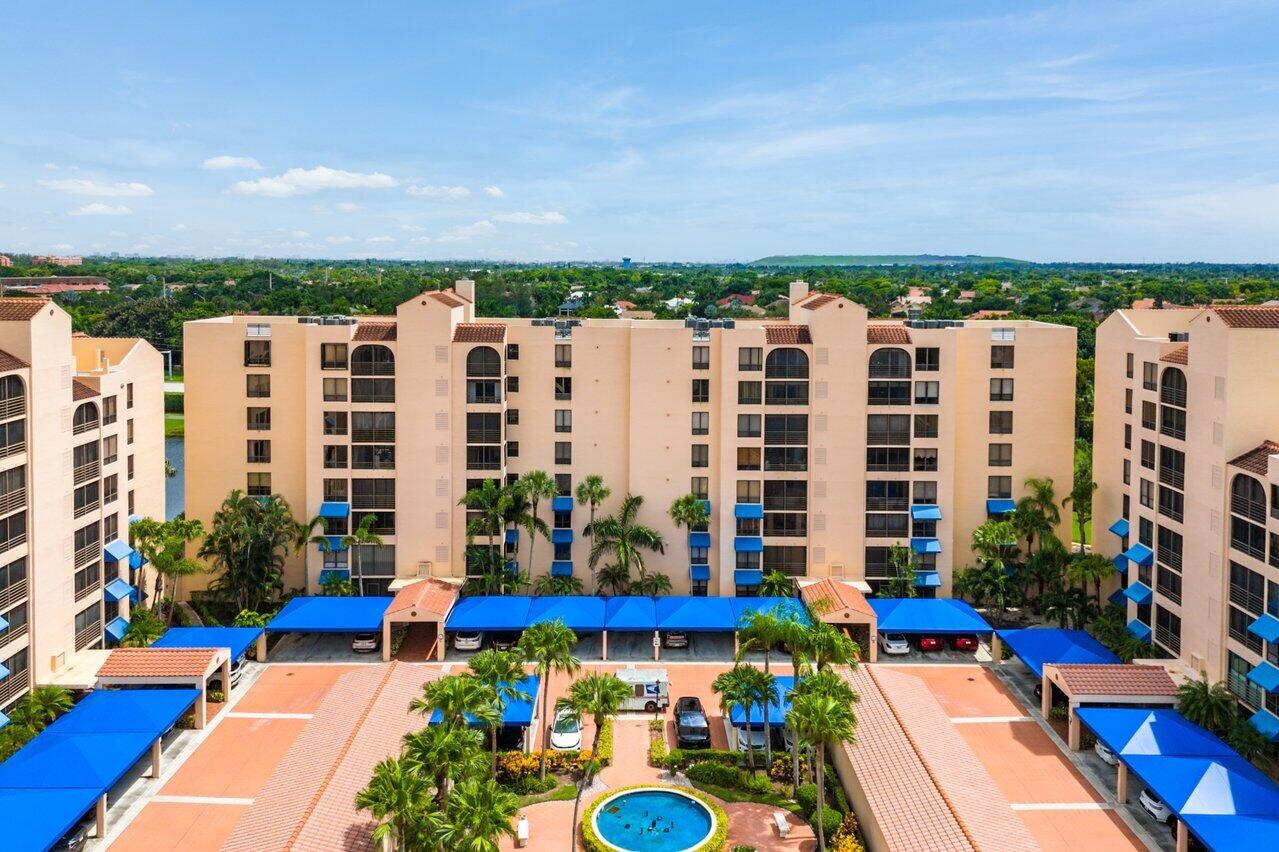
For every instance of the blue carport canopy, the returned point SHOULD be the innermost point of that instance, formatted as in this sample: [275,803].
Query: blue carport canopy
[580,613]
[630,612]
[941,616]
[703,615]
[36,818]
[783,608]
[124,711]
[330,615]
[1235,833]
[777,708]
[1220,786]
[59,760]
[515,714]
[1035,646]
[1139,731]
[506,613]
[236,639]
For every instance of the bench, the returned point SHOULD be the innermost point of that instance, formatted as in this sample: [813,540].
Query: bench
[521,832]
[783,827]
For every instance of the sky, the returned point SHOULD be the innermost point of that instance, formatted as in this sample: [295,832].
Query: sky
[710,131]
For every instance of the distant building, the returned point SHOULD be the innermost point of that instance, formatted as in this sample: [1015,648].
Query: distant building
[54,285]
[736,300]
[55,260]
[988,315]
[965,297]
[626,263]
[5,261]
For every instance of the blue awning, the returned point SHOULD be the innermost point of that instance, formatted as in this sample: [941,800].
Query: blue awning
[4,673]
[1121,563]
[748,577]
[1120,527]
[925,545]
[1139,593]
[1141,631]
[335,544]
[116,628]
[237,640]
[561,536]
[324,614]
[630,612]
[786,609]
[4,625]
[515,714]
[1036,646]
[694,614]
[116,590]
[1265,676]
[136,561]
[512,537]
[117,550]
[1266,724]
[328,575]
[927,580]
[942,616]
[1134,730]
[562,503]
[925,513]
[706,504]
[748,510]
[748,544]
[1118,598]
[1140,554]
[335,510]
[1266,627]
[778,707]
[498,612]
[562,568]
[699,539]
[580,613]
[4,719]
[699,572]
[1000,506]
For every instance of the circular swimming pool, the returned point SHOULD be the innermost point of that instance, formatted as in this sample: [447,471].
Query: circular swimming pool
[653,819]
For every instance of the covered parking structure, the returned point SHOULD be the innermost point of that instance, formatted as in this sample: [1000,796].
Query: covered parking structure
[1213,792]
[1103,685]
[153,668]
[777,708]
[325,614]
[1036,646]
[518,714]
[50,784]
[237,640]
[932,617]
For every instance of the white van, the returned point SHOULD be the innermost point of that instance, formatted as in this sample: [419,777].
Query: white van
[650,689]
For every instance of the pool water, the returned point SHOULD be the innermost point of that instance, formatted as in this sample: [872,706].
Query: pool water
[653,821]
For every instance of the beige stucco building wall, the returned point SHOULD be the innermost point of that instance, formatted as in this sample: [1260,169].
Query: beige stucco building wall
[634,421]
[71,474]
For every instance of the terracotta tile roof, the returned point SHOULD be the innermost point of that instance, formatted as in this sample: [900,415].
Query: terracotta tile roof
[780,334]
[309,801]
[887,333]
[429,596]
[1248,316]
[11,362]
[158,662]
[18,309]
[818,300]
[79,391]
[1137,680]
[1180,355]
[479,332]
[841,598]
[985,315]
[375,331]
[1255,460]
[447,297]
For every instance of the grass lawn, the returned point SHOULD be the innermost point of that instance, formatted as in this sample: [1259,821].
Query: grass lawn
[176,377]
[174,425]
[562,793]
[770,799]
[1074,528]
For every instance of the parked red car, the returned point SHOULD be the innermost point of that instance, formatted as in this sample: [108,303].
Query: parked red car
[930,643]
[964,643]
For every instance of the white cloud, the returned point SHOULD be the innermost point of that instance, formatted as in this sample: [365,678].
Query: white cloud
[337,241]
[300,181]
[80,186]
[180,227]
[548,218]
[226,161]
[346,206]
[380,239]
[117,233]
[412,229]
[476,230]
[494,191]
[52,167]
[449,192]
[97,208]
[300,235]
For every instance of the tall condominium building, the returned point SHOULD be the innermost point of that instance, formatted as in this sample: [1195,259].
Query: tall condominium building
[1189,485]
[816,442]
[81,451]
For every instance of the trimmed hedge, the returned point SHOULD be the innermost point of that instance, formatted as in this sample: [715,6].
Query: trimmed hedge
[174,403]
[831,820]
[730,777]
[806,798]
[679,759]
[716,843]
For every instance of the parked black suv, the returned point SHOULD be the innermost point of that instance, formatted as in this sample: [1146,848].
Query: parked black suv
[692,728]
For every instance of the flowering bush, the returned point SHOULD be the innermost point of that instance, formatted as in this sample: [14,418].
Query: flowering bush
[780,770]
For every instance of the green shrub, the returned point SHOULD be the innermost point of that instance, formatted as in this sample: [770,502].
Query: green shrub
[758,784]
[806,797]
[1057,713]
[715,773]
[605,757]
[831,820]
[835,791]
[679,758]
[657,726]
[657,752]
[244,618]
[716,843]
[174,403]
[215,696]
[533,785]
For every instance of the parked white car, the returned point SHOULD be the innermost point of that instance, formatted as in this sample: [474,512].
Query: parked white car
[1155,806]
[366,643]
[566,733]
[755,740]
[1105,753]
[893,643]
[468,640]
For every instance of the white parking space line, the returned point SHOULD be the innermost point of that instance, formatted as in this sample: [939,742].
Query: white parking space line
[1060,806]
[981,720]
[201,800]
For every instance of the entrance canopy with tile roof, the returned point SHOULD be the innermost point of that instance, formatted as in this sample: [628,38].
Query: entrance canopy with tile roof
[1118,683]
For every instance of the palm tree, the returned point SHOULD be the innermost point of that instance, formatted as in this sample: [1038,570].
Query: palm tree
[623,538]
[599,696]
[1092,568]
[536,486]
[829,646]
[1210,705]
[448,753]
[502,675]
[397,798]
[35,710]
[613,577]
[775,584]
[821,720]
[549,644]
[592,492]
[745,686]
[490,503]
[762,631]
[1029,522]
[1043,498]
[1045,565]
[163,544]
[479,813]
[690,512]
[247,541]
[362,535]
[549,585]
[651,584]
[458,698]
[904,565]
[1081,491]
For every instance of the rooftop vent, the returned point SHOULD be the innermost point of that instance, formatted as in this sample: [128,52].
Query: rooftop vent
[1179,336]
[934,323]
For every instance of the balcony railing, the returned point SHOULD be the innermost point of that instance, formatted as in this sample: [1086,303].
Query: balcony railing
[785,438]
[84,426]
[1173,396]
[13,407]
[889,371]
[13,593]
[483,436]
[13,541]
[89,590]
[12,449]
[14,685]
[1168,557]
[13,634]
[793,504]
[1167,639]
[87,471]
[790,466]
[372,368]
[257,360]
[93,506]
[88,636]
[1172,476]
[887,504]
[372,436]
[786,371]
[86,554]
[1251,509]
[13,501]
[374,501]
[891,439]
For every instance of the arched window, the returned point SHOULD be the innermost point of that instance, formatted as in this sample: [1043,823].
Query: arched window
[786,363]
[372,360]
[13,397]
[890,364]
[86,418]
[1248,498]
[1172,387]
[483,361]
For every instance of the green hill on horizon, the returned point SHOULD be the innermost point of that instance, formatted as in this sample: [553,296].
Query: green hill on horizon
[883,260]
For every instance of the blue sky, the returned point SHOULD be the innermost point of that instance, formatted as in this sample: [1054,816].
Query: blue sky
[709,131]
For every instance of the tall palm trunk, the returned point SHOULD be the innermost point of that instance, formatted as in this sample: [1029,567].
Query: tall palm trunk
[595,589]
[750,748]
[821,796]
[768,732]
[546,721]
[493,743]
[587,776]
